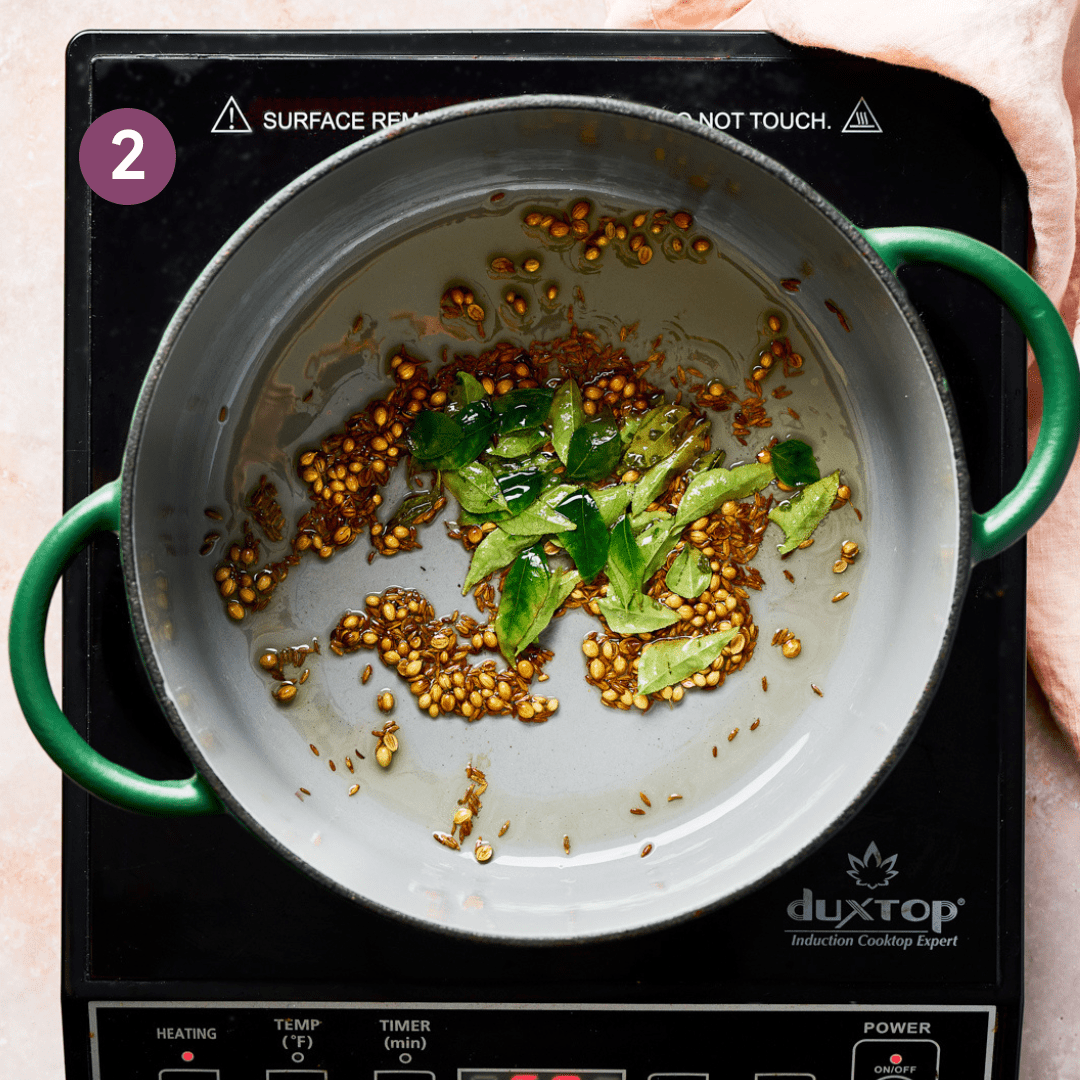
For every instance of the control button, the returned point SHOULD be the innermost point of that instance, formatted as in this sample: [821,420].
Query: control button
[895,1059]
[296,1074]
[189,1074]
[789,1076]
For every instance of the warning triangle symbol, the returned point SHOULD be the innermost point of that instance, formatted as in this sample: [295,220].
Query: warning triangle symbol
[231,120]
[861,121]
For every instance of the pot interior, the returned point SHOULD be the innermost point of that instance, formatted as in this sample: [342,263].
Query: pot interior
[291,331]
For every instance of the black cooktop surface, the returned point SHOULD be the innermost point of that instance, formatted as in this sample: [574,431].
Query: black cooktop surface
[159,909]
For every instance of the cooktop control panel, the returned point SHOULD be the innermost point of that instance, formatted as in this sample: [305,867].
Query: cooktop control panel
[443,1041]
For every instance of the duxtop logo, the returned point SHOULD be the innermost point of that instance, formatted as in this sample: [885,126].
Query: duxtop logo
[893,922]
[872,871]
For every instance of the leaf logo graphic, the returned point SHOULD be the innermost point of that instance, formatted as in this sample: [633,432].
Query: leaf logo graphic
[872,871]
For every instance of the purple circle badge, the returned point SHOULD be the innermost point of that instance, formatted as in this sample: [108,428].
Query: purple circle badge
[127,156]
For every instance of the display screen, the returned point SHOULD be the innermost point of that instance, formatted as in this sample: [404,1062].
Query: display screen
[541,1074]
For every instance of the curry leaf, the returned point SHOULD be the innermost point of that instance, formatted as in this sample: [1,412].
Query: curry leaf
[625,563]
[518,443]
[496,550]
[594,451]
[560,586]
[588,544]
[468,389]
[794,464]
[656,543]
[689,574]
[414,506]
[476,488]
[521,409]
[659,432]
[670,660]
[612,501]
[643,615]
[566,416]
[434,434]
[542,517]
[477,423]
[804,513]
[520,488]
[656,480]
[523,594]
[709,490]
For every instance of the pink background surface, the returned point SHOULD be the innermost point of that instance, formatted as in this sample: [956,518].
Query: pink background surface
[33,38]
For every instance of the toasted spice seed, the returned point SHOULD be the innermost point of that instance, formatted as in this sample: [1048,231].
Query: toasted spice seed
[644,798]
[839,566]
[305,791]
[483,852]
[366,674]
[839,596]
[566,844]
[314,749]
[732,734]
[354,789]
[791,648]
[447,841]
[646,850]
[714,751]
[284,692]
[754,725]
[383,755]
[636,810]
[816,690]
[349,764]
[385,701]
[505,826]
[673,798]
[764,683]
[333,767]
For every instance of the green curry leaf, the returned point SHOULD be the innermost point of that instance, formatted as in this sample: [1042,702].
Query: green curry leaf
[670,660]
[478,424]
[794,464]
[434,434]
[659,432]
[519,443]
[476,489]
[496,550]
[542,516]
[643,615]
[689,574]
[521,488]
[593,451]
[589,542]
[566,416]
[800,516]
[468,390]
[710,489]
[625,564]
[612,501]
[523,594]
[522,409]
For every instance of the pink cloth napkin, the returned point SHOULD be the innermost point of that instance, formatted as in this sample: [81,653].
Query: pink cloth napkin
[1024,56]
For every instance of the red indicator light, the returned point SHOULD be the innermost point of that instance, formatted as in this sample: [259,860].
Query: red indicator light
[187,1055]
[896,1059]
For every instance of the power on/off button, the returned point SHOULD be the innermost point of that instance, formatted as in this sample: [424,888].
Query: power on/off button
[895,1059]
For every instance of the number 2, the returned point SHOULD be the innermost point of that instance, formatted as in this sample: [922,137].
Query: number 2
[122,172]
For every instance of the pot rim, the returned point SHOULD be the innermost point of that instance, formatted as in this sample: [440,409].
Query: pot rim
[537,102]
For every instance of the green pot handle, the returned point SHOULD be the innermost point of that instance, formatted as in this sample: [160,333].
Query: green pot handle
[1002,526]
[98,512]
